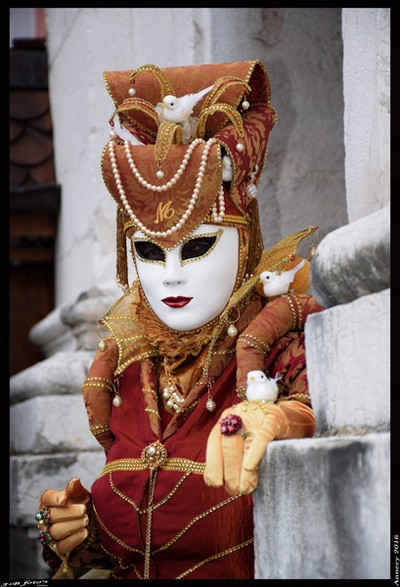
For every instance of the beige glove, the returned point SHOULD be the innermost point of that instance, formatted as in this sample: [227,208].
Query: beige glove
[67,515]
[233,459]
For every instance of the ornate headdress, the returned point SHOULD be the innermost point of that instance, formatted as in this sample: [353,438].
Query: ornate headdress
[170,170]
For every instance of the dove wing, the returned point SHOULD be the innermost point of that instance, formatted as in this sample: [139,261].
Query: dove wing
[192,99]
[124,133]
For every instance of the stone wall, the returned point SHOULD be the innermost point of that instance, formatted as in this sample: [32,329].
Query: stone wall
[322,510]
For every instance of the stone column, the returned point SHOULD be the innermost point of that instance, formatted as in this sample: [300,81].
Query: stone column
[322,510]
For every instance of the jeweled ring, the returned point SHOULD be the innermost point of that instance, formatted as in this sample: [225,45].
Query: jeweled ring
[231,424]
[42,517]
[45,537]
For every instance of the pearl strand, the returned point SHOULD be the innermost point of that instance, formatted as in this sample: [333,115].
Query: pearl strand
[215,216]
[173,180]
[192,201]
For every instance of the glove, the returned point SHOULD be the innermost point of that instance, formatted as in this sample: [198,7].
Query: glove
[233,457]
[68,518]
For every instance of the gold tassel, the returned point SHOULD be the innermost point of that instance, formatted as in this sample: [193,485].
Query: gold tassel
[122,262]
[64,572]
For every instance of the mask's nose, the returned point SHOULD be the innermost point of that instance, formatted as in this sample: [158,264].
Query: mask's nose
[174,273]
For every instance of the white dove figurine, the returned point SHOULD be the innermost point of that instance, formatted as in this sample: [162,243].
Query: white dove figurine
[226,168]
[276,283]
[261,387]
[180,110]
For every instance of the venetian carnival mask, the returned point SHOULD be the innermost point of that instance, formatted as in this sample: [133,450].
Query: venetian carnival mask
[190,284]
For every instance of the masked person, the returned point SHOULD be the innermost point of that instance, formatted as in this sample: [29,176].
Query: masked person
[166,392]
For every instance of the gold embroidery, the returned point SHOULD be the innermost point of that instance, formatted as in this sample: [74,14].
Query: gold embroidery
[98,429]
[153,412]
[164,212]
[217,234]
[302,395]
[107,531]
[172,464]
[215,556]
[253,341]
[214,508]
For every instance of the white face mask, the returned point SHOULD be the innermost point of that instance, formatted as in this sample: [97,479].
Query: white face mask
[191,284]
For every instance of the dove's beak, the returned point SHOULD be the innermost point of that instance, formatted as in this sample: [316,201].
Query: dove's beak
[163,105]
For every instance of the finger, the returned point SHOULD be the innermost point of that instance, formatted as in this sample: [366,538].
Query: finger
[75,492]
[61,530]
[53,498]
[68,512]
[232,451]
[248,481]
[72,541]
[256,450]
[213,473]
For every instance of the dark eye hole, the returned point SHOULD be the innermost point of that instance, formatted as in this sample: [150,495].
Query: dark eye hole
[148,251]
[197,247]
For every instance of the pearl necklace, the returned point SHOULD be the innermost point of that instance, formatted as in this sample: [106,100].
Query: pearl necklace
[214,214]
[192,201]
[173,180]
[171,393]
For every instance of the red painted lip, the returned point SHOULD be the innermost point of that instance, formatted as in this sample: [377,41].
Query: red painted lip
[177,302]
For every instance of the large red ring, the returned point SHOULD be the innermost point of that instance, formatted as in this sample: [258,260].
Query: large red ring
[230,425]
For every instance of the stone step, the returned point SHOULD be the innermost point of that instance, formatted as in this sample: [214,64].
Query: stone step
[322,509]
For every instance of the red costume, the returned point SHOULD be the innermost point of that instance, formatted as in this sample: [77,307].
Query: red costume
[152,514]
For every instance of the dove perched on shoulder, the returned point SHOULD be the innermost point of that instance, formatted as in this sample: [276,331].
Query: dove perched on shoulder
[261,387]
[276,283]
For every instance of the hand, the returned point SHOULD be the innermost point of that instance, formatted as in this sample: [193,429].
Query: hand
[68,518]
[232,460]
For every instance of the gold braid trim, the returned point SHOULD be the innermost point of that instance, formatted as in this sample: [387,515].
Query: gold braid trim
[97,429]
[165,85]
[299,310]
[220,86]
[151,411]
[254,342]
[173,464]
[292,309]
[215,556]
[297,314]
[107,531]
[168,134]
[211,510]
[229,111]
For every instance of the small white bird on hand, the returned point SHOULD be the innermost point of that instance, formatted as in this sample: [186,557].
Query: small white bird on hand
[261,387]
[180,110]
[276,283]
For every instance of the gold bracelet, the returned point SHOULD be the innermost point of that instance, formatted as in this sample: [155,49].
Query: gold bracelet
[97,429]
[299,310]
[101,385]
[109,381]
[292,309]
[251,340]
